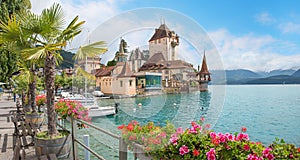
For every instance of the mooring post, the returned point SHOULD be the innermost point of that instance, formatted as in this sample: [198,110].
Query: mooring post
[86,140]
[122,149]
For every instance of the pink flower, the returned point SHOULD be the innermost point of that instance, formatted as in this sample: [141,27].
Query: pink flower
[253,157]
[229,137]
[173,139]
[211,154]
[266,151]
[213,135]
[179,130]
[183,150]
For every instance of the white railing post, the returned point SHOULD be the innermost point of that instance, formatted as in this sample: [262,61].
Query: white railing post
[86,140]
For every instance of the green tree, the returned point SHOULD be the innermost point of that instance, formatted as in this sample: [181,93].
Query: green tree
[8,60]
[49,35]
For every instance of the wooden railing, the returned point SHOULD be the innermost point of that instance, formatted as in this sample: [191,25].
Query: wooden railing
[122,144]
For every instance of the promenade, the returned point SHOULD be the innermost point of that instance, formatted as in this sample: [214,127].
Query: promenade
[7,108]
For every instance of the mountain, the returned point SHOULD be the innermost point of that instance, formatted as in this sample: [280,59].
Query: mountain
[277,72]
[67,60]
[296,74]
[240,76]
[279,79]
[243,76]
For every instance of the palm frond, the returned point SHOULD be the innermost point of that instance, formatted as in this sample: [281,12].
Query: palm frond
[81,72]
[90,50]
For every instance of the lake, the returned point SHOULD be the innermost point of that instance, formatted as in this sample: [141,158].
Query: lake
[267,111]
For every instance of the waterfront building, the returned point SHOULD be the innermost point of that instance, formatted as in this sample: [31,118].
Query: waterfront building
[163,59]
[118,79]
[137,58]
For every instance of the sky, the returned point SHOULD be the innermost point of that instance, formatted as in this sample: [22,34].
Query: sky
[250,34]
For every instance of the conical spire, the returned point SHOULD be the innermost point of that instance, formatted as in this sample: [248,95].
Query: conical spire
[121,48]
[204,68]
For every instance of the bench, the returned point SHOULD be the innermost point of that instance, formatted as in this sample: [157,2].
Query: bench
[24,129]
[19,152]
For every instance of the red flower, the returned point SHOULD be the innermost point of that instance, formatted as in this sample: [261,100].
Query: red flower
[246,147]
[244,129]
[196,152]
[193,123]
[298,149]
[130,127]
[121,127]
[202,119]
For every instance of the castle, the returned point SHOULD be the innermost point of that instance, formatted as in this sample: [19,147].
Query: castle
[153,71]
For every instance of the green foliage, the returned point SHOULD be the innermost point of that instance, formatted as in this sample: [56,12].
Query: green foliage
[8,60]
[112,63]
[44,134]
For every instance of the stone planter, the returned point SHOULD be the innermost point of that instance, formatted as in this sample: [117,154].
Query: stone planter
[59,146]
[35,118]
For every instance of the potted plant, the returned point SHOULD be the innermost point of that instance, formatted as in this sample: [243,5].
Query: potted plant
[61,145]
[36,117]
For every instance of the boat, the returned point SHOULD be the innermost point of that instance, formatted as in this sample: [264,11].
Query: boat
[96,111]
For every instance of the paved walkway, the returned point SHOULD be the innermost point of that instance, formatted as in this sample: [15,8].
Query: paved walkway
[6,128]
[7,108]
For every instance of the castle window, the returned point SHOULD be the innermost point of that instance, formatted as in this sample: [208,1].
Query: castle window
[130,83]
[121,83]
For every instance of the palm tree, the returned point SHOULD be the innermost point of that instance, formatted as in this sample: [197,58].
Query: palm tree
[47,34]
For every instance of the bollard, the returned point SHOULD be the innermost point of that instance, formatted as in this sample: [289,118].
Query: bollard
[87,143]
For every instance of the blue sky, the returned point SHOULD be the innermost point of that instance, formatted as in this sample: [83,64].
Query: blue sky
[250,34]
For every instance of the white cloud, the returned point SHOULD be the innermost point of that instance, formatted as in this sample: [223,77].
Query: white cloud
[92,12]
[254,52]
[265,18]
[290,27]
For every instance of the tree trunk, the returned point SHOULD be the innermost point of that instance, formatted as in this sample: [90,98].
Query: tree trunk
[32,87]
[49,82]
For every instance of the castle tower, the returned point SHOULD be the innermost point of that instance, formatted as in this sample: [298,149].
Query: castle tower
[164,41]
[121,55]
[204,76]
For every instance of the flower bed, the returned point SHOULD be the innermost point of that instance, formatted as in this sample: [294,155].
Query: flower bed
[199,142]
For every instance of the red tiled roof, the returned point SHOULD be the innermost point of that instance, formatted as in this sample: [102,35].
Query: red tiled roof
[204,68]
[161,32]
[104,71]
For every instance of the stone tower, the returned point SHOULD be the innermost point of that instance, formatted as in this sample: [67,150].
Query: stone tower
[204,76]
[164,41]
[121,55]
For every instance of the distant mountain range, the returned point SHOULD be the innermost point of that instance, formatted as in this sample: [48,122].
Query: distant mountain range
[242,76]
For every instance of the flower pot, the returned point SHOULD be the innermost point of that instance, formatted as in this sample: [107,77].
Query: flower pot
[35,118]
[59,146]
[139,152]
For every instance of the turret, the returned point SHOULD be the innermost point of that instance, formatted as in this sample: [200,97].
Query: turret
[204,76]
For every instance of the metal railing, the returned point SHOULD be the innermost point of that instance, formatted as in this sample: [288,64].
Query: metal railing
[122,144]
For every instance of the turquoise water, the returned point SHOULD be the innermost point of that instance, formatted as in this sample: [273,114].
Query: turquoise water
[268,111]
